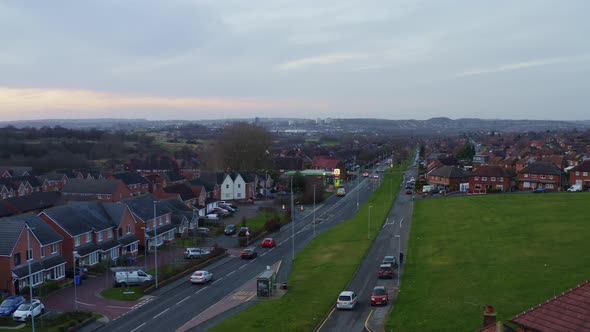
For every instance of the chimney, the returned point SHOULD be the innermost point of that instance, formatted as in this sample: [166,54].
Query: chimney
[489,316]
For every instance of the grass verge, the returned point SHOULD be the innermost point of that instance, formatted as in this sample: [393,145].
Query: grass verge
[509,251]
[320,271]
[123,293]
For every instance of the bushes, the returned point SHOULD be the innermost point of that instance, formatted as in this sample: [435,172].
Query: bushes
[273,224]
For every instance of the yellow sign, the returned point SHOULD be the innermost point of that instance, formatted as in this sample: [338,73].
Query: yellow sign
[336,172]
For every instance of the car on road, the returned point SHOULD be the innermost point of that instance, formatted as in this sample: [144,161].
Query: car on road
[390,259]
[28,310]
[409,192]
[228,207]
[379,296]
[385,271]
[341,192]
[575,188]
[230,229]
[539,190]
[201,277]
[10,304]
[346,300]
[244,231]
[249,253]
[268,243]
[412,179]
[376,176]
[191,253]
[366,174]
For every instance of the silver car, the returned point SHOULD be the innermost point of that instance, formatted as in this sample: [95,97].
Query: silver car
[346,300]
[201,277]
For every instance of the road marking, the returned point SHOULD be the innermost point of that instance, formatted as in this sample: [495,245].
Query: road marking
[325,320]
[216,280]
[156,316]
[367,321]
[117,307]
[241,266]
[200,290]
[263,254]
[400,222]
[137,328]
[186,298]
[89,304]
[229,274]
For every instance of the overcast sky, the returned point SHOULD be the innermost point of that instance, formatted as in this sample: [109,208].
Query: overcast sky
[216,59]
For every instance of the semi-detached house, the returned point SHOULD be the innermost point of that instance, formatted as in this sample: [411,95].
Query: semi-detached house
[153,221]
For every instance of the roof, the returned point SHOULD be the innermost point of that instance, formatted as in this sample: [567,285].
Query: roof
[185,192]
[115,211]
[109,244]
[493,171]
[52,261]
[130,178]
[41,230]
[35,201]
[5,210]
[87,248]
[176,205]
[100,186]
[53,176]
[161,229]
[541,167]
[209,186]
[22,270]
[449,172]
[325,162]
[33,181]
[78,218]
[569,311]
[127,240]
[9,234]
[143,207]
[582,167]
[173,176]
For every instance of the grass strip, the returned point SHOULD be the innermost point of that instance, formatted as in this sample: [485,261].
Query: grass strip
[123,293]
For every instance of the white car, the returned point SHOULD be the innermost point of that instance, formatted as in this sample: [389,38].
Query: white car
[195,252]
[201,277]
[26,310]
[346,300]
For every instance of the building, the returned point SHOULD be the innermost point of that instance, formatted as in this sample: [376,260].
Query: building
[491,178]
[448,177]
[540,174]
[580,174]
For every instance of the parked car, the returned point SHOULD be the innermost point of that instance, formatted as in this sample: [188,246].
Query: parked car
[244,231]
[385,271]
[195,252]
[346,300]
[366,174]
[81,271]
[409,192]
[130,278]
[379,296]
[575,188]
[268,243]
[213,216]
[10,304]
[249,253]
[228,207]
[221,212]
[539,190]
[28,310]
[200,277]
[230,229]
[376,176]
[203,231]
[390,259]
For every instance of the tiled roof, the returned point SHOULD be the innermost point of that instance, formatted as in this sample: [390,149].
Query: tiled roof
[34,201]
[115,211]
[173,176]
[143,207]
[201,182]
[52,261]
[127,240]
[183,190]
[109,244]
[569,311]
[83,186]
[130,178]
[42,231]
[5,210]
[175,205]
[52,176]
[491,170]
[325,162]
[582,167]
[80,217]
[87,248]
[449,172]
[23,269]
[161,229]
[9,234]
[541,167]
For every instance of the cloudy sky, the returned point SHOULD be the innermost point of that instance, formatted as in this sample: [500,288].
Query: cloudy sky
[209,59]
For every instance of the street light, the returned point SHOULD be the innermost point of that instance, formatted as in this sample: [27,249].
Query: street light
[314,210]
[156,246]
[399,253]
[369,224]
[292,220]
[75,255]
[29,259]
[358,177]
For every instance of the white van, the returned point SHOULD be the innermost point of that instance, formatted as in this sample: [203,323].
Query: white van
[133,277]
[575,188]
[427,188]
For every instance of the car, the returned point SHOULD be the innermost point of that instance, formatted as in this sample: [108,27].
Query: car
[220,212]
[203,231]
[575,188]
[385,271]
[200,277]
[375,176]
[227,207]
[412,179]
[366,174]
[213,216]
[190,253]
[539,190]
[341,192]
[10,304]
[249,253]
[434,190]
[230,229]
[28,310]
[244,231]
[346,300]
[409,192]
[379,296]
[79,271]
[268,243]
[390,259]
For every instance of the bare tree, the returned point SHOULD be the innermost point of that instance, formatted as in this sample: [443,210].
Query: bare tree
[242,146]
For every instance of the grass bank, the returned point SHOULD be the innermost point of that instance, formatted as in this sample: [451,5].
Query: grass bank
[123,293]
[320,271]
[509,251]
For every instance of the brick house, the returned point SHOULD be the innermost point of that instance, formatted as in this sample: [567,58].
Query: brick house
[53,181]
[540,174]
[490,177]
[153,221]
[45,256]
[136,183]
[327,163]
[184,191]
[580,174]
[448,177]
[108,190]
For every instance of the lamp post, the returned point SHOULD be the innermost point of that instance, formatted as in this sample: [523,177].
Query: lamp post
[314,210]
[145,246]
[399,252]
[75,255]
[29,259]
[156,245]
[369,224]
[358,177]
[265,182]
[292,220]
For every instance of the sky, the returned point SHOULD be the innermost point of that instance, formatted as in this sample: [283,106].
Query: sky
[215,59]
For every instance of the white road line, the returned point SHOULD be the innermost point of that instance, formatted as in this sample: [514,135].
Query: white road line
[118,307]
[156,316]
[400,222]
[137,328]
[186,298]
[200,290]
[229,274]
[241,266]
[263,254]
[216,280]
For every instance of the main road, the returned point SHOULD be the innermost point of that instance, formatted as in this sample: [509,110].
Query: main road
[177,303]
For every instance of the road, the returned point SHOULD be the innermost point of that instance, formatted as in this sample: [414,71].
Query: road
[395,229]
[179,302]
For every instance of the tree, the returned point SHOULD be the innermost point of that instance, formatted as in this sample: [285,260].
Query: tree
[242,146]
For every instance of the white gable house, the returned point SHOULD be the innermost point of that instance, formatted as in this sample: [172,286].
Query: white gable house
[227,188]
[239,186]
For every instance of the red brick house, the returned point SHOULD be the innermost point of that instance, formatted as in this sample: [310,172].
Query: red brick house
[580,175]
[153,221]
[448,177]
[136,183]
[490,177]
[540,174]
[327,163]
[107,190]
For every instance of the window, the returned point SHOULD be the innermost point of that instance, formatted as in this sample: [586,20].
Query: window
[17,259]
[526,184]
[493,178]
[478,186]
[549,186]
[227,186]
[93,258]
[54,248]
[476,178]
[58,272]
[500,179]
[499,187]
[542,176]
[526,175]
[585,174]
[99,234]
[128,229]
[99,196]
[551,176]
[77,240]
[239,185]
[110,233]
[42,252]
[88,237]
[133,247]
[29,254]
[484,178]
[577,173]
[239,195]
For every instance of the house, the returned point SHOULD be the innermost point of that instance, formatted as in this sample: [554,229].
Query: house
[152,165]
[440,162]
[13,187]
[540,174]
[103,190]
[183,191]
[480,159]
[33,203]
[136,184]
[580,174]
[211,189]
[53,181]
[239,187]
[11,171]
[449,177]
[200,193]
[327,163]
[173,178]
[490,177]
[252,180]
[227,187]
[184,218]
[153,221]
[28,239]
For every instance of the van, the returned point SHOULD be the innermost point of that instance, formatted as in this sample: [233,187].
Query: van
[427,188]
[575,188]
[133,277]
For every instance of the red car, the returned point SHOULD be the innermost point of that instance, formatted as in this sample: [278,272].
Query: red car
[268,243]
[379,296]
[409,192]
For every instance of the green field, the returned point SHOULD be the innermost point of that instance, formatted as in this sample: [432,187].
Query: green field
[320,271]
[509,251]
